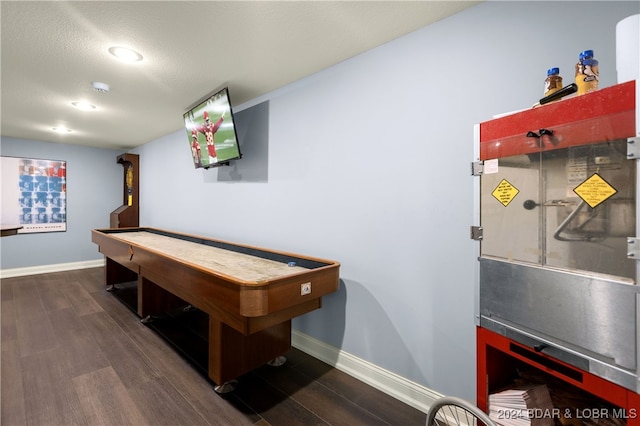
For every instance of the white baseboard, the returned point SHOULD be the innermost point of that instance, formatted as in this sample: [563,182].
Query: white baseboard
[413,394]
[45,269]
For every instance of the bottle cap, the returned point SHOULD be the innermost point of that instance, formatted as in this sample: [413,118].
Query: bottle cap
[586,54]
[553,71]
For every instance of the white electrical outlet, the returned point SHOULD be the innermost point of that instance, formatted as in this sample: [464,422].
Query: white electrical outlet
[305,289]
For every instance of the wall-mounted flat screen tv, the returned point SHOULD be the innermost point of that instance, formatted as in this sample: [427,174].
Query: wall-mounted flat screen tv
[211,131]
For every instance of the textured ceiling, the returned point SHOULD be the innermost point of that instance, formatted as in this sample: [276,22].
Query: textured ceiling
[53,50]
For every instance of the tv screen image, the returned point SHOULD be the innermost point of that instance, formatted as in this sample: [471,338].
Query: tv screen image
[211,131]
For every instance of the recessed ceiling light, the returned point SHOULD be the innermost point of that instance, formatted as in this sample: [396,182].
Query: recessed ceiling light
[100,87]
[125,54]
[61,129]
[85,106]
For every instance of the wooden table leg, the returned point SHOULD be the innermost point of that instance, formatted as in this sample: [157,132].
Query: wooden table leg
[232,353]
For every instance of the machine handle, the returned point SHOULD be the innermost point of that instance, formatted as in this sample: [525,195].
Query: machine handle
[532,134]
[543,132]
[540,347]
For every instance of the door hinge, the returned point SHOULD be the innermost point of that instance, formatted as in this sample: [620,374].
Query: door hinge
[633,148]
[476,233]
[477,167]
[633,248]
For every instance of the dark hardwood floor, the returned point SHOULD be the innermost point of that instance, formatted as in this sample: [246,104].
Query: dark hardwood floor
[72,354]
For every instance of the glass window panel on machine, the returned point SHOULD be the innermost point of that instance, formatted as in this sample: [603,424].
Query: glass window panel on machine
[590,208]
[558,215]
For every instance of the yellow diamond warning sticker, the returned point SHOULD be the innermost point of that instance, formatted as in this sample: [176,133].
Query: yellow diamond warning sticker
[594,190]
[505,192]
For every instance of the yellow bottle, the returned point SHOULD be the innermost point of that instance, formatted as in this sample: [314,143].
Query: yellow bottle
[587,73]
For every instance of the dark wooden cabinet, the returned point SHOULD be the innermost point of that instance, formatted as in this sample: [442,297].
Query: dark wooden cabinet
[128,214]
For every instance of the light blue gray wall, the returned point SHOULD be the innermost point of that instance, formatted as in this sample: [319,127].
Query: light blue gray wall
[369,164]
[94,189]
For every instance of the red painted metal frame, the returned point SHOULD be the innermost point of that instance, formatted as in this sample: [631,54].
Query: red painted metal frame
[604,115]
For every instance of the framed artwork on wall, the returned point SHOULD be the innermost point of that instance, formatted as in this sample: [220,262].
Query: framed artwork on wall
[34,194]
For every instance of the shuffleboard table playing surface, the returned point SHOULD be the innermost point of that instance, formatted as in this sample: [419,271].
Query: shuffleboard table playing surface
[243,267]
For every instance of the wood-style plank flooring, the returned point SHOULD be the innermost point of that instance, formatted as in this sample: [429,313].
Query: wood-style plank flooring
[72,354]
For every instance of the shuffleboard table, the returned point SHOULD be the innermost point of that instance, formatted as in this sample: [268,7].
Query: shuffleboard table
[7,230]
[250,294]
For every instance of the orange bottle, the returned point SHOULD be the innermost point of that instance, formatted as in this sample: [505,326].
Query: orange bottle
[553,82]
